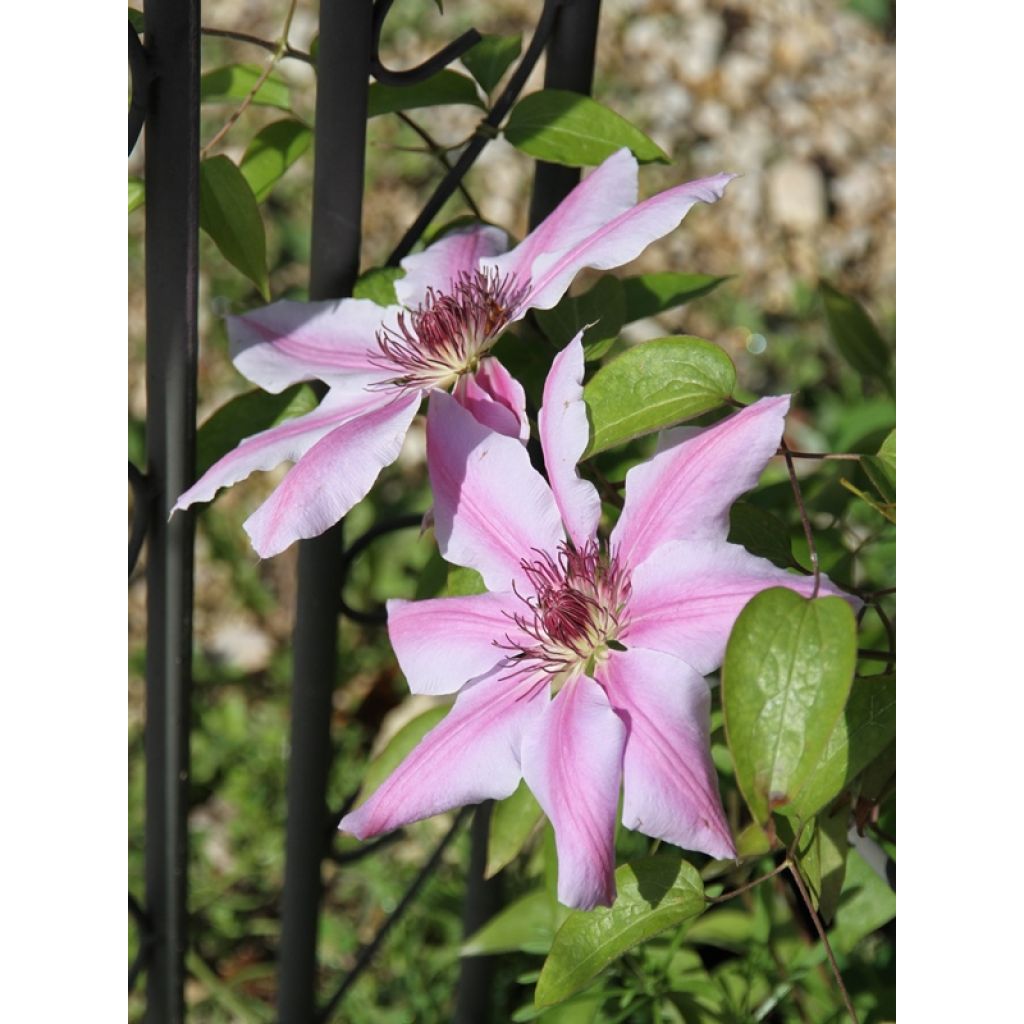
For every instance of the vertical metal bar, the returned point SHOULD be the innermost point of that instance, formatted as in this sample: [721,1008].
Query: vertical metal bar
[172,230]
[570,65]
[343,68]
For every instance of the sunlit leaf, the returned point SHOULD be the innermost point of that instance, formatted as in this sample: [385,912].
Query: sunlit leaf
[653,894]
[650,294]
[491,58]
[378,284]
[271,152]
[655,385]
[439,90]
[136,193]
[229,215]
[867,903]
[235,82]
[463,582]
[788,668]
[601,310]
[526,925]
[513,821]
[568,128]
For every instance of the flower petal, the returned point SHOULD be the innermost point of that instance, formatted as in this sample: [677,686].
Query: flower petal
[671,791]
[564,435]
[685,491]
[287,441]
[603,195]
[458,252]
[473,754]
[618,240]
[572,761]
[687,595]
[332,476]
[442,642]
[491,507]
[495,398]
[286,342]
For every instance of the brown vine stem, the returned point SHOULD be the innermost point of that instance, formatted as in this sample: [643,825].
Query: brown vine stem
[279,52]
[266,44]
[726,896]
[439,153]
[808,533]
[844,456]
[806,897]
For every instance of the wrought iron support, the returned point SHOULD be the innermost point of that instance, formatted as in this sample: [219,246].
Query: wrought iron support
[343,71]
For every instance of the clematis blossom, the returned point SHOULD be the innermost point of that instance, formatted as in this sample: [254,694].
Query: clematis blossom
[581,670]
[457,298]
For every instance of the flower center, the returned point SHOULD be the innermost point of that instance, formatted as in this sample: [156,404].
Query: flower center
[447,334]
[577,613]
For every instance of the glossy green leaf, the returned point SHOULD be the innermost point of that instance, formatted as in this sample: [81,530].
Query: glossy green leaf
[856,336]
[761,534]
[137,19]
[821,855]
[378,285]
[881,469]
[463,582]
[654,385]
[724,928]
[887,509]
[867,903]
[491,58]
[568,128]
[246,415]
[650,294]
[601,310]
[439,90]
[397,748]
[136,193]
[234,82]
[513,821]
[271,152]
[788,668]
[527,926]
[229,215]
[866,727]
[653,894]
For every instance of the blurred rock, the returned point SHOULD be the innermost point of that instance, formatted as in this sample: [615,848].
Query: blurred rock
[796,195]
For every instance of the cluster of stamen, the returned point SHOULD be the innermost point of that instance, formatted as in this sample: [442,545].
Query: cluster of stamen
[446,335]
[576,614]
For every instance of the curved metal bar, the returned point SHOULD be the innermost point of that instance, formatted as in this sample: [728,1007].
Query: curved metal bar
[423,71]
[140,520]
[378,616]
[138,65]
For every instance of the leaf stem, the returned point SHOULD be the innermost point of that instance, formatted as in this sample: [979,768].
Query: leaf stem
[846,456]
[266,44]
[440,153]
[808,533]
[726,896]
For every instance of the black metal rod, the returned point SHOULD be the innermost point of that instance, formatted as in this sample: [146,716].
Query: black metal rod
[343,71]
[569,66]
[423,71]
[172,260]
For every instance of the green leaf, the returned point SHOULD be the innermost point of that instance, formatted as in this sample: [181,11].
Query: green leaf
[603,307]
[881,469]
[513,821]
[788,668]
[821,856]
[378,285]
[246,415]
[653,894]
[271,152]
[883,508]
[725,929]
[229,215]
[397,748]
[567,128]
[136,193]
[761,534]
[866,904]
[491,58]
[866,728]
[856,336]
[463,582]
[650,294]
[439,90]
[526,926]
[654,385]
[137,19]
[232,83]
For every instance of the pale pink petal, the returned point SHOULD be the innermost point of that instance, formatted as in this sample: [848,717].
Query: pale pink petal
[491,507]
[603,195]
[331,477]
[286,342]
[685,491]
[443,642]
[437,266]
[572,762]
[564,436]
[687,595]
[671,791]
[472,755]
[288,441]
[618,240]
[495,398]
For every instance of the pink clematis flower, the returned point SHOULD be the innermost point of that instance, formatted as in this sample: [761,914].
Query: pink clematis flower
[620,634]
[458,296]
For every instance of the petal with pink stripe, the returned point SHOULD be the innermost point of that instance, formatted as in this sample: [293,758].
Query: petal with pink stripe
[437,266]
[495,398]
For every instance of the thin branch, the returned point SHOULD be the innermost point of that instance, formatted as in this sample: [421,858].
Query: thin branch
[889,656]
[820,928]
[726,896]
[440,154]
[845,456]
[266,44]
[798,495]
